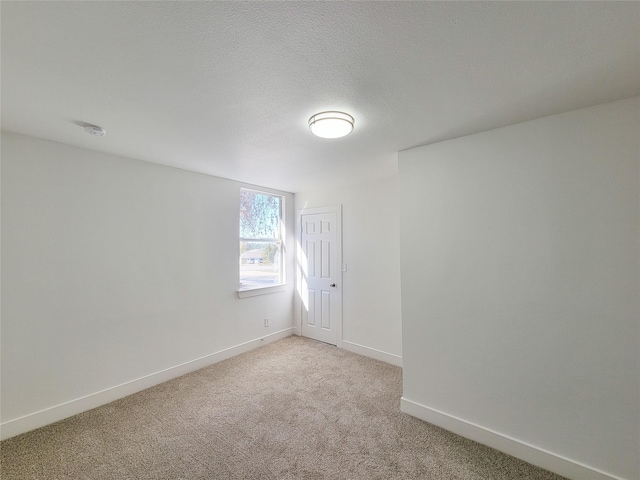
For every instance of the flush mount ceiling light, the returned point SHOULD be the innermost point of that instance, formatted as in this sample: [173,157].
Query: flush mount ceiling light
[331,124]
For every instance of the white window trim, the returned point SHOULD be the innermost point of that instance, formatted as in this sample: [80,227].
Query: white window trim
[252,292]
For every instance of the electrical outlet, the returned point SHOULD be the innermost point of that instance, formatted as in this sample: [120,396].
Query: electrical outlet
[266,322]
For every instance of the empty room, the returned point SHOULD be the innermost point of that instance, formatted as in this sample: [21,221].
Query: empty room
[320,240]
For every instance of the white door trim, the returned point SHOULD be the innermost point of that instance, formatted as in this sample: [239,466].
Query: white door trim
[337,209]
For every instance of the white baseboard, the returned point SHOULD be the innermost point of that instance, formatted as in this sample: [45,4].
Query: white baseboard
[373,353]
[53,414]
[516,448]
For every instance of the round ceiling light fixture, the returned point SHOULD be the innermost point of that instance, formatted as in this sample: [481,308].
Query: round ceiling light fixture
[331,124]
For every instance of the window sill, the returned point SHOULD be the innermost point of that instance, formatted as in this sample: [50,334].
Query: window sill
[261,291]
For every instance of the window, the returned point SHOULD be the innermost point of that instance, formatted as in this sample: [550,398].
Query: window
[261,249]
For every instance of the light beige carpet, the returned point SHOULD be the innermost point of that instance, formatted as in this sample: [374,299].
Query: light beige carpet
[295,409]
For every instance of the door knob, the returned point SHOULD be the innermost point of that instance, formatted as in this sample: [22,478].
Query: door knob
[333,285]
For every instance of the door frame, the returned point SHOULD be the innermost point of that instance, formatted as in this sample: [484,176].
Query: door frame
[337,209]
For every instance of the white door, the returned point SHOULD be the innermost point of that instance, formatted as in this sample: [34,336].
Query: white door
[320,275]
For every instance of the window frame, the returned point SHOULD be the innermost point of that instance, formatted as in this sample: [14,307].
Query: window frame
[279,241]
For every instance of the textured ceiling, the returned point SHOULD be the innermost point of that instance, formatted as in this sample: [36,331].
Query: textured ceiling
[227,88]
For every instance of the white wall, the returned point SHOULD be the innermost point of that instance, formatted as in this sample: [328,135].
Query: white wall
[520,253]
[112,270]
[371,318]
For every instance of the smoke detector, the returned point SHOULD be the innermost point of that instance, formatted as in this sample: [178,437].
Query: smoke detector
[95,130]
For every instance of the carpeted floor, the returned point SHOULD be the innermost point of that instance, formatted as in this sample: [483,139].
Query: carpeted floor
[295,409]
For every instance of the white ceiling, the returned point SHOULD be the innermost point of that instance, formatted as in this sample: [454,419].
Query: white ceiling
[227,88]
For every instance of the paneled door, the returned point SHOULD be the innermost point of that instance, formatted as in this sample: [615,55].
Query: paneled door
[320,275]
